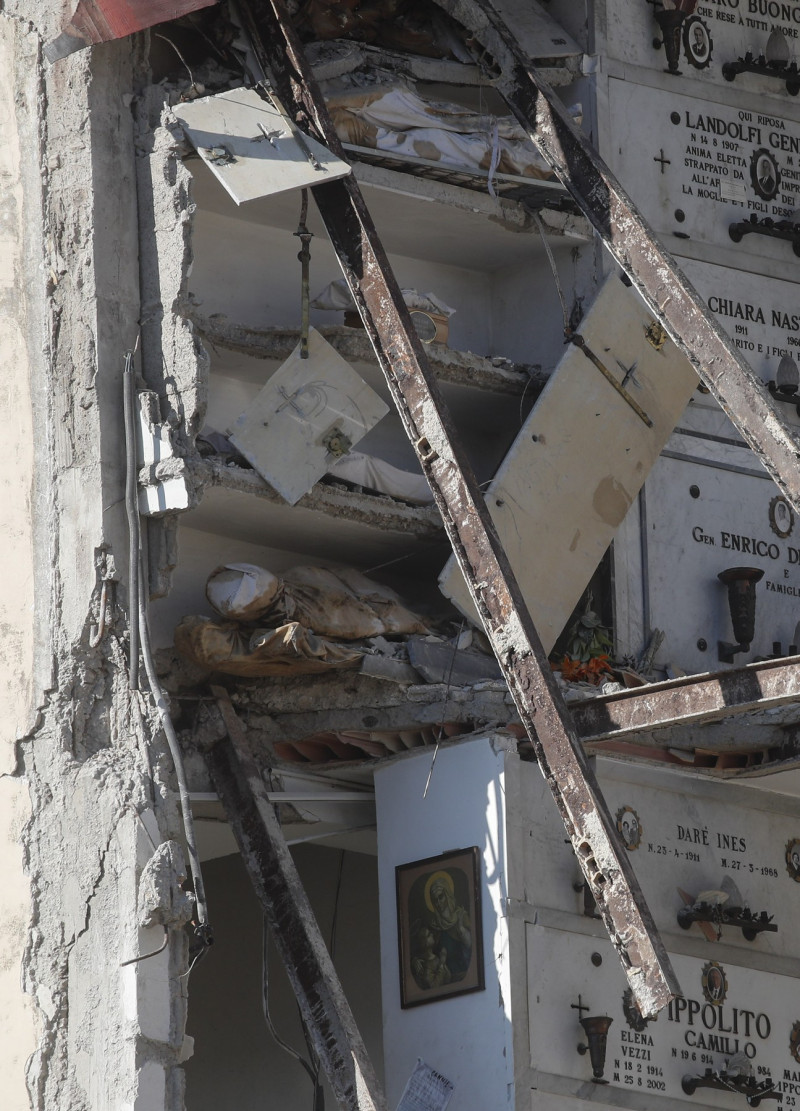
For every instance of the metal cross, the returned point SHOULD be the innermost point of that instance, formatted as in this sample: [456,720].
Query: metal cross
[628,372]
[664,161]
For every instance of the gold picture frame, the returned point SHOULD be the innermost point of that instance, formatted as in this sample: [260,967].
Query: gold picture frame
[439,927]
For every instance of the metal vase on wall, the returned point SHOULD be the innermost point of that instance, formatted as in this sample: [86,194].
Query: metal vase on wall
[670,19]
[741,584]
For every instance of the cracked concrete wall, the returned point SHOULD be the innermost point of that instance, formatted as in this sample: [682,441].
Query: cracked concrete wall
[86,794]
[18,642]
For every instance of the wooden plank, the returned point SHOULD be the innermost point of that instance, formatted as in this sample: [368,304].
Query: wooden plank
[326,1013]
[96,21]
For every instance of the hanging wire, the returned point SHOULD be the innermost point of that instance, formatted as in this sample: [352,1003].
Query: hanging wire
[147,956]
[334,919]
[312,1072]
[444,708]
[134,524]
[552,261]
[140,637]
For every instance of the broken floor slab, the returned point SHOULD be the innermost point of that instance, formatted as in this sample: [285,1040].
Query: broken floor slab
[251,510]
[461,368]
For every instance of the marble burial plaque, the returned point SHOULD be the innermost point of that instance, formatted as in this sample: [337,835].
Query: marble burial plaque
[556,504]
[716,34]
[682,834]
[698,170]
[729,1017]
[708,509]
[761,315]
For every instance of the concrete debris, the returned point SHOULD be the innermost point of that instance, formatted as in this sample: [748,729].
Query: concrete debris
[162,900]
[498,374]
[440,662]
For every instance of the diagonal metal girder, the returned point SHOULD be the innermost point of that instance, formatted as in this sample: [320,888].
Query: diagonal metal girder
[652,269]
[495,592]
[690,700]
[326,1013]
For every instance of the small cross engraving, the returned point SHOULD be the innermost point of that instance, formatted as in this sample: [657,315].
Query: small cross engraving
[664,161]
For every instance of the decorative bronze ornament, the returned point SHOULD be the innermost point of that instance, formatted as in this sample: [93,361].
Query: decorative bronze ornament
[655,335]
[629,827]
[715,983]
[697,42]
[633,1016]
[596,1030]
[764,173]
[781,517]
[793,858]
[741,584]
[794,1042]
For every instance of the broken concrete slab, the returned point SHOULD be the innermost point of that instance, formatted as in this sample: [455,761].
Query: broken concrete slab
[582,456]
[252,148]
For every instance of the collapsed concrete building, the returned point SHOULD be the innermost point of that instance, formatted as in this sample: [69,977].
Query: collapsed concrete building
[256,600]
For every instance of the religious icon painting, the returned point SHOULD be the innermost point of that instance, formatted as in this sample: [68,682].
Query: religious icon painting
[439,927]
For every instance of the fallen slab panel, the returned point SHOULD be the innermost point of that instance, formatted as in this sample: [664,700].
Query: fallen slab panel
[652,269]
[251,147]
[582,456]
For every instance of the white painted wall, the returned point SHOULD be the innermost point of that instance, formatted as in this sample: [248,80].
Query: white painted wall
[466,1038]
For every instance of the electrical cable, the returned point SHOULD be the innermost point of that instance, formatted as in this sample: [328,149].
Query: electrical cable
[440,730]
[147,956]
[538,220]
[265,1005]
[132,510]
[335,916]
[203,930]
[140,637]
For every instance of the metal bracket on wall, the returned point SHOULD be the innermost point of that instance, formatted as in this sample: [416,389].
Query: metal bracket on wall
[475,542]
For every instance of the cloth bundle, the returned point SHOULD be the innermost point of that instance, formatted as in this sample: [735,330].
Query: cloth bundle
[280,626]
[396,119]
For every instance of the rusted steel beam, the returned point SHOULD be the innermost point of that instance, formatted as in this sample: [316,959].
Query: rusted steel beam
[469,526]
[238,781]
[690,700]
[652,269]
[96,21]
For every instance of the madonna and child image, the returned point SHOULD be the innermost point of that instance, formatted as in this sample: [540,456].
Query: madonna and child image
[439,927]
